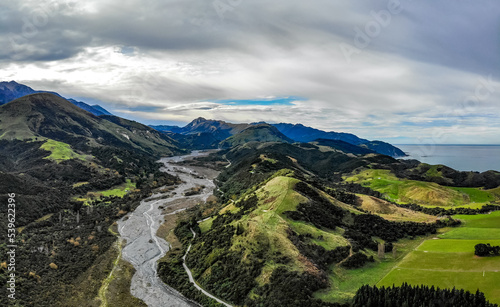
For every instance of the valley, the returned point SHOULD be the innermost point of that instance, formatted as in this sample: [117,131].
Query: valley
[143,248]
[144,217]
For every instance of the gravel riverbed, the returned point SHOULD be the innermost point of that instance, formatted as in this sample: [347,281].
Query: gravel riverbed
[143,248]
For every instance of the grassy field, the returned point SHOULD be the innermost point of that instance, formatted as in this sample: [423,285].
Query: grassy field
[392,212]
[448,260]
[480,227]
[491,220]
[267,225]
[345,283]
[445,260]
[422,193]
[61,151]
[206,225]
[495,192]
[476,195]
[121,190]
[118,191]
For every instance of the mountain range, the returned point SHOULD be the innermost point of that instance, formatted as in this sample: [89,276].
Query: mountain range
[295,210]
[13,90]
[221,130]
[70,171]
[46,115]
[203,133]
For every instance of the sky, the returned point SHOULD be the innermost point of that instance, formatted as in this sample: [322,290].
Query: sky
[401,71]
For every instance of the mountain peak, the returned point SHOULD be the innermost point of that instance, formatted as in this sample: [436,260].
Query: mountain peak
[12,90]
[199,120]
[256,133]
[50,116]
[44,100]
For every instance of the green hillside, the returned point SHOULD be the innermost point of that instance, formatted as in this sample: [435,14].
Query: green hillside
[420,192]
[61,151]
[289,224]
[46,115]
[286,225]
[257,133]
[56,157]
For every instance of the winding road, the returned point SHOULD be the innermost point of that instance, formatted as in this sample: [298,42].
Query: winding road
[191,279]
[143,248]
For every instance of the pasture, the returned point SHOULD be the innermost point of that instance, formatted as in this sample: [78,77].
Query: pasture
[419,192]
[448,260]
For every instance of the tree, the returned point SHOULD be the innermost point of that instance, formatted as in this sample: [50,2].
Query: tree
[483,250]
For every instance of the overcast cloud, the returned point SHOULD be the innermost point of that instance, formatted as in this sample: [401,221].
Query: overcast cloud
[400,71]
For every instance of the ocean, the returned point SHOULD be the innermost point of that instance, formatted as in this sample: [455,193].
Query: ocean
[478,158]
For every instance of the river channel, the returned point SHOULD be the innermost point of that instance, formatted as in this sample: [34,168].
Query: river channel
[143,248]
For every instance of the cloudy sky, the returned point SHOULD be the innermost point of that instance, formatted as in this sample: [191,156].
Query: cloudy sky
[400,71]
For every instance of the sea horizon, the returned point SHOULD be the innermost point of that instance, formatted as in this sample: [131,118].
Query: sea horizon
[430,144]
[473,157]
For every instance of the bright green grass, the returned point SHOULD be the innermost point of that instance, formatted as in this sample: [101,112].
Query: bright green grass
[453,245]
[266,226]
[468,233]
[344,283]
[433,172]
[278,195]
[422,193]
[491,220]
[206,225]
[60,151]
[120,191]
[477,195]
[347,282]
[325,238]
[450,262]
[467,205]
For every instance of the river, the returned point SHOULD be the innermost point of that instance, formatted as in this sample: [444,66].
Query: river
[143,248]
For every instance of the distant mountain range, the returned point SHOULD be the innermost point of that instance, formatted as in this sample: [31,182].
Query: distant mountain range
[283,210]
[46,115]
[13,90]
[203,133]
[229,134]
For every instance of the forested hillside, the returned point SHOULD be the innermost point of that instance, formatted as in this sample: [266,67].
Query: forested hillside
[286,214]
[73,175]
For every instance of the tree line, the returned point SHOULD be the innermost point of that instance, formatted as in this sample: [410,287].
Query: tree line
[418,296]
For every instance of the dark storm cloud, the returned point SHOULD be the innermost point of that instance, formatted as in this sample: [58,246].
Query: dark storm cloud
[462,35]
[39,31]
[409,60]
